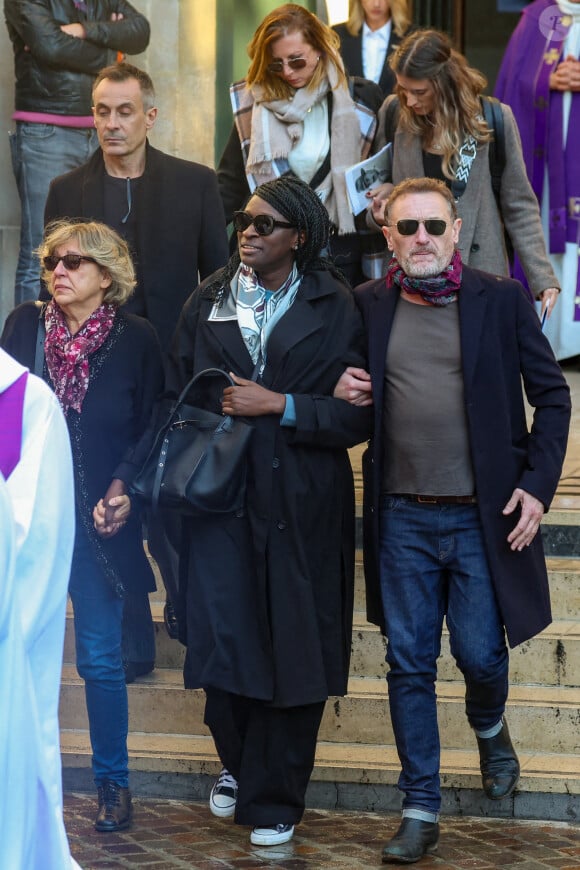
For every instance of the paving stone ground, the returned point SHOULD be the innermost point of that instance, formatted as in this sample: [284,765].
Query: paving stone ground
[168,835]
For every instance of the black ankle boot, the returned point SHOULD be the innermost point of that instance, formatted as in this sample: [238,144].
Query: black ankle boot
[500,768]
[115,807]
[413,840]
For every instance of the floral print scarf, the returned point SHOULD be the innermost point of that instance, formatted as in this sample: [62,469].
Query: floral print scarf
[67,356]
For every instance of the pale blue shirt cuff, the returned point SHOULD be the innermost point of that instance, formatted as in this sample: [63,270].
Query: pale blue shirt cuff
[289,415]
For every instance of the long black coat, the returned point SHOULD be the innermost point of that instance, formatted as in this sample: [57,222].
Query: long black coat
[180,227]
[501,345]
[270,593]
[125,379]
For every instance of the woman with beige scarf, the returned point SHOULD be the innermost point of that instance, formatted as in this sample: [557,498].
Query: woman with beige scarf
[297,112]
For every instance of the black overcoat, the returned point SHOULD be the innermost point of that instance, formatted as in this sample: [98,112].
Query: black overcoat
[270,593]
[180,224]
[502,347]
[125,380]
[352,55]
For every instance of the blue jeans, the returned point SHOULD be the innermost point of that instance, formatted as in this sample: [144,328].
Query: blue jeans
[98,616]
[40,152]
[433,565]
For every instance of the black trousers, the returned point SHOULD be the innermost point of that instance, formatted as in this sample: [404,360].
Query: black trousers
[269,750]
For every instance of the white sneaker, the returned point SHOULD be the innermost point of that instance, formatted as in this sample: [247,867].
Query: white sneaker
[271,835]
[223,797]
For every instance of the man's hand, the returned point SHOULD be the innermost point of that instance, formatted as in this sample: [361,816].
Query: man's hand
[74,29]
[566,76]
[378,197]
[549,297]
[354,386]
[531,516]
[249,399]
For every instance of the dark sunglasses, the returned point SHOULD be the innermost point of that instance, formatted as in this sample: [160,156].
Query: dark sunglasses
[277,66]
[408,227]
[71,262]
[264,224]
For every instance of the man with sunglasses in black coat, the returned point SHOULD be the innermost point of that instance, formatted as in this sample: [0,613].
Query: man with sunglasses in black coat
[455,487]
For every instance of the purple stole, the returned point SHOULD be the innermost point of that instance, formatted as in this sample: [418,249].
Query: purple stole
[564,205]
[11,413]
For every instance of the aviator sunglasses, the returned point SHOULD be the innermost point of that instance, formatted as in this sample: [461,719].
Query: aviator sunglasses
[71,262]
[264,224]
[277,66]
[409,226]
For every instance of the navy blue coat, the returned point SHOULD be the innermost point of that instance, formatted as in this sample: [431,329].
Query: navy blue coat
[125,379]
[501,345]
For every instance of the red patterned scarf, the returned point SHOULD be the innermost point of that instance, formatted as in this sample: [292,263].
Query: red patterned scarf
[438,290]
[67,356]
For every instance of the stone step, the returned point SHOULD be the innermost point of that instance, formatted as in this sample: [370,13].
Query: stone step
[551,658]
[564,577]
[162,755]
[541,718]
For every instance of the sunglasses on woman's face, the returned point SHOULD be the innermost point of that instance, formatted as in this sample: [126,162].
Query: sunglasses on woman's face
[71,262]
[277,66]
[408,227]
[264,224]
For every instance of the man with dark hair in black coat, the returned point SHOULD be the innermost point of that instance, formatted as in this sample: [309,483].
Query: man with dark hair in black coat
[170,213]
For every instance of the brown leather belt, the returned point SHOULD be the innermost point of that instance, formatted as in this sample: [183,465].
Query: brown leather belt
[438,499]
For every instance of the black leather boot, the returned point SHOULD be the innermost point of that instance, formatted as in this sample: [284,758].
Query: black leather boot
[413,840]
[500,768]
[115,807]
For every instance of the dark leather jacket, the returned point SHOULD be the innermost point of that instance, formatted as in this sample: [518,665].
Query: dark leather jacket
[54,72]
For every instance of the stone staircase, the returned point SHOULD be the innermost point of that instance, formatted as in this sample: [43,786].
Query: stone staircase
[172,754]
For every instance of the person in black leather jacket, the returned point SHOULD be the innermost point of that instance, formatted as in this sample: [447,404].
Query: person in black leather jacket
[59,47]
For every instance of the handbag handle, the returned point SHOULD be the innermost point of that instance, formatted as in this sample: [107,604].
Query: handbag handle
[160,470]
[195,378]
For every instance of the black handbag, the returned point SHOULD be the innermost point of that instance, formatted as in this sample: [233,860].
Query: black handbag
[198,462]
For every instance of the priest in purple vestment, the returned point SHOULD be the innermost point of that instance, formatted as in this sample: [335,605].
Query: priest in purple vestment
[540,80]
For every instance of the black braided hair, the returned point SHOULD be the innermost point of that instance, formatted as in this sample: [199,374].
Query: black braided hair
[301,207]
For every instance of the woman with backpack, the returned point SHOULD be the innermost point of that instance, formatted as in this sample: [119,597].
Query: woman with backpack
[436,121]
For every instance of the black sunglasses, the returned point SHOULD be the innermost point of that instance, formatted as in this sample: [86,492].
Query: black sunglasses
[277,66]
[264,224]
[71,262]
[408,227]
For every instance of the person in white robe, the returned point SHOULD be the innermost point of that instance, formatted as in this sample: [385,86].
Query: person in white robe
[36,542]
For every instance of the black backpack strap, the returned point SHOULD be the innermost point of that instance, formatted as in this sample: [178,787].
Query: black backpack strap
[40,336]
[493,116]
[391,120]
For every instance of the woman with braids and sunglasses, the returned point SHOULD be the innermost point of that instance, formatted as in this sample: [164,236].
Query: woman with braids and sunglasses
[297,112]
[270,590]
[105,367]
[438,130]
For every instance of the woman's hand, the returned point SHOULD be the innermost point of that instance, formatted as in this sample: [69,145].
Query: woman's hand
[548,297]
[249,399]
[378,197]
[111,512]
[566,76]
[354,386]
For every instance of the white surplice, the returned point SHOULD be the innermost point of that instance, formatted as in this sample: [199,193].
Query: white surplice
[36,558]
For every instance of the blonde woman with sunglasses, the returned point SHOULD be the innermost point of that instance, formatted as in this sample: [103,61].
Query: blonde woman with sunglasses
[297,112]
[105,368]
